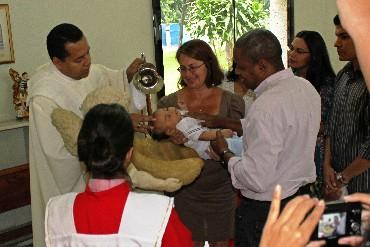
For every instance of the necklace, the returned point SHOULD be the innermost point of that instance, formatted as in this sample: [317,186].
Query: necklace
[196,101]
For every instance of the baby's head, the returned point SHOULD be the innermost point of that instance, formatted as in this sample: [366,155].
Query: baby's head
[165,121]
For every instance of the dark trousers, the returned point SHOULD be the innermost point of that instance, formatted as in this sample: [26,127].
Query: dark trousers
[251,216]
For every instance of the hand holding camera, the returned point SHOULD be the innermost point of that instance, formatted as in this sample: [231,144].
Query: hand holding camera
[295,224]
[304,218]
[365,218]
[338,220]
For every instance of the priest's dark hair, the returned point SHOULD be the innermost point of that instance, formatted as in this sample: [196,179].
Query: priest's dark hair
[59,36]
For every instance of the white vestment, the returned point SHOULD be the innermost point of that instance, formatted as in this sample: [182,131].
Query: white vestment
[53,170]
[143,223]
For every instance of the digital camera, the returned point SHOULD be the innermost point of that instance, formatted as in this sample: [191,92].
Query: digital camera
[339,219]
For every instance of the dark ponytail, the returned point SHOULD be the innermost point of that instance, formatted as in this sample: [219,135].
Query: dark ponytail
[105,138]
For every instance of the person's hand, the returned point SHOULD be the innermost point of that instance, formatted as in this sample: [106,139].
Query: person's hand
[201,115]
[133,68]
[333,188]
[213,155]
[330,178]
[365,218]
[351,241]
[332,194]
[227,133]
[140,122]
[209,121]
[359,197]
[353,14]
[292,227]
[316,243]
[176,136]
[219,144]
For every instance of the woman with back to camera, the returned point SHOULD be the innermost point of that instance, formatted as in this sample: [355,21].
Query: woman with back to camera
[207,206]
[108,213]
[308,57]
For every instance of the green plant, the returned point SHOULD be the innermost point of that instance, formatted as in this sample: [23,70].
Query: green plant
[171,11]
[214,19]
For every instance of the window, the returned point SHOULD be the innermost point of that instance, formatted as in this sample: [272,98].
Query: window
[218,22]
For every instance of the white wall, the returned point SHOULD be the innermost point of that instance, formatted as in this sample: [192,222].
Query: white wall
[317,15]
[117,30]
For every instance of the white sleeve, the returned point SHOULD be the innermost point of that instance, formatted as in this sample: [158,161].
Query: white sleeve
[137,98]
[191,128]
[118,78]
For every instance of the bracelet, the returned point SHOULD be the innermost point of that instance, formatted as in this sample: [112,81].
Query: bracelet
[340,178]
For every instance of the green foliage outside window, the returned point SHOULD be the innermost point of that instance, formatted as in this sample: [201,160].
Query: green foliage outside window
[214,19]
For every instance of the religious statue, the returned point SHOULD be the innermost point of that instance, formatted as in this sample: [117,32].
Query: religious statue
[20,93]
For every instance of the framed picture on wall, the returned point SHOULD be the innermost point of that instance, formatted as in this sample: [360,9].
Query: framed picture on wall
[6,42]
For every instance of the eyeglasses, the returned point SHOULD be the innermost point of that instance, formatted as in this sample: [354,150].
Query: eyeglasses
[297,50]
[191,69]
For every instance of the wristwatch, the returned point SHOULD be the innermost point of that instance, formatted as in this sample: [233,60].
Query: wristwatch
[222,156]
[340,178]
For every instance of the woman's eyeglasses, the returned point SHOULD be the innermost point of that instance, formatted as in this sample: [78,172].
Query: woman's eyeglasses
[297,50]
[191,68]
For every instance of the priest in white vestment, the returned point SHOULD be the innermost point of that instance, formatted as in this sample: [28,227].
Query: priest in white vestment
[64,82]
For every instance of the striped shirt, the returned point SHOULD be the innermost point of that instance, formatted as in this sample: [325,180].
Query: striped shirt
[349,125]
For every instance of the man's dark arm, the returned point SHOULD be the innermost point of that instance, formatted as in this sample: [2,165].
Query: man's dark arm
[219,122]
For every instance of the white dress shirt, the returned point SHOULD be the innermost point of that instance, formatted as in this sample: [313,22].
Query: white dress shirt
[280,131]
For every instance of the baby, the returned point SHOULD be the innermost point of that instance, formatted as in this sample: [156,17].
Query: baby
[198,137]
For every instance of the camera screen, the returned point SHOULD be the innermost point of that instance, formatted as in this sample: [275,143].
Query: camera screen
[332,225]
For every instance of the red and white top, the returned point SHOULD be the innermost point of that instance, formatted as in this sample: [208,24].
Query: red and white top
[114,217]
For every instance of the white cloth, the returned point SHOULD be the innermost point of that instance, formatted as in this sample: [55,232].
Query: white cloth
[143,223]
[192,129]
[280,131]
[138,98]
[53,170]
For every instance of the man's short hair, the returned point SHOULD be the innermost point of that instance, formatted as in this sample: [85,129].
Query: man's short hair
[336,20]
[261,44]
[59,36]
